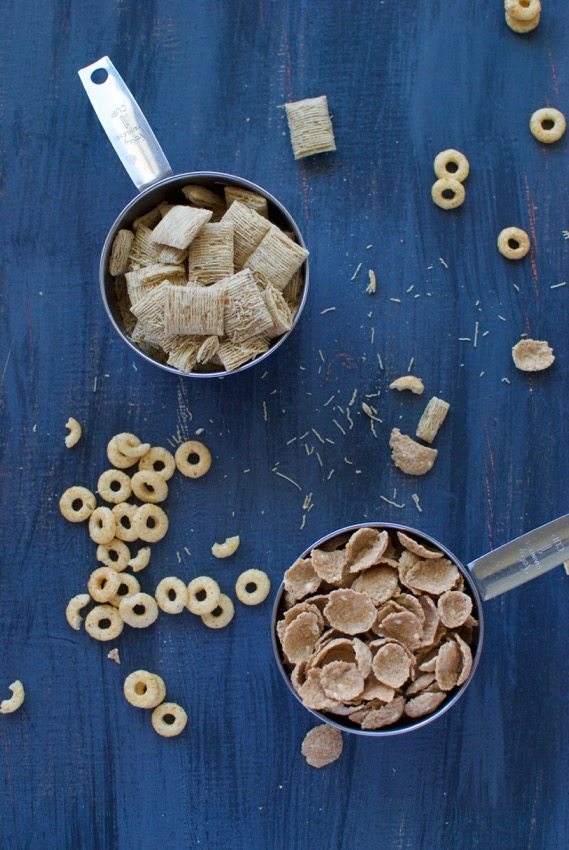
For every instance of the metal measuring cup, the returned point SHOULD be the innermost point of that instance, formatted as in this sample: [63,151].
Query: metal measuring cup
[144,160]
[501,570]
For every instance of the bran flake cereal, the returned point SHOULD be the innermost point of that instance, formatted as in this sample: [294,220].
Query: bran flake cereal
[532,355]
[383,646]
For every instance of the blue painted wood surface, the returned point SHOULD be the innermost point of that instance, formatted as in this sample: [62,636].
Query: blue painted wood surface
[81,768]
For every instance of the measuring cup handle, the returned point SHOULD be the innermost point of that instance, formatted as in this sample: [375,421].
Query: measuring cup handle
[125,125]
[523,559]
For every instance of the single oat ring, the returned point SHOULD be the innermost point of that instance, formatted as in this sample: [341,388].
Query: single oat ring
[377,629]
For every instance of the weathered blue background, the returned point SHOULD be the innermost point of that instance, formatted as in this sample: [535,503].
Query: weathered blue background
[404,80]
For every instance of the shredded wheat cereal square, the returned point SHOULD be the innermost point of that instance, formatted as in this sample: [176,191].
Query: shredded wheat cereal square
[310,126]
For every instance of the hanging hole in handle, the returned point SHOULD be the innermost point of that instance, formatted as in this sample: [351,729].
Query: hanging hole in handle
[99,76]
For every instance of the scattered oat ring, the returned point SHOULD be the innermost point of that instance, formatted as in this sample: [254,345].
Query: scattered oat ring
[128,586]
[252,587]
[130,445]
[193,459]
[523,10]
[452,163]
[513,243]
[169,719]
[138,610]
[522,27]
[171,594]
[77,504]
[150,523]
[103,584]
[117,458]
[159,460]
[124,515]
[221,615]
[448,193]
[75,432]
[149,486]
[203,595]
[548,125]
[115,555]
[103,622]
[143,689]
[102,525]
[114,486]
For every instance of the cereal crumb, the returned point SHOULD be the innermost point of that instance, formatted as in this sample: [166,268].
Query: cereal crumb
[322,745]
[114,656]
[371,288]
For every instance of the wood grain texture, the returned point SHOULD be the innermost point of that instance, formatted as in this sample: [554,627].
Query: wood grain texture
[81,768]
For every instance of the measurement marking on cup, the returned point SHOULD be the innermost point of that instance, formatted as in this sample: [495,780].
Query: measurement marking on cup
[531,558]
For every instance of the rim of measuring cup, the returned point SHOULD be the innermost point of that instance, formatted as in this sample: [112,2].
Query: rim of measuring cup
[119,222]
[336,721]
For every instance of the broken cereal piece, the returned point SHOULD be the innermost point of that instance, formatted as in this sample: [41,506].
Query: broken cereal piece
[432,419]
[8,706]
[113,655]
[532,355]
[410,457]
[408,382]
[75,432]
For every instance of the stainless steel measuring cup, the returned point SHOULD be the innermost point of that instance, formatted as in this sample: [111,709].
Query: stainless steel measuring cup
[503,569]
[150,171]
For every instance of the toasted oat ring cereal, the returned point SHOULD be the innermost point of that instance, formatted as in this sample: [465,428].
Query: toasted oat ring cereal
[448,193]
[115,555]
[452,163]
[513,243]
[103,622]
[8,706]
[221,615]
[523,10]
[103,584]
[150,523]
[143,689]
[149,486]
[124,515]
[129,445]
[548,125]
[193,459]
[522,27]
[114,486]
[160,460]
[139,610]
[117,458]
[252,587]
[128,585]
[203,595]
[74,606]
[102,525]
[169,719]
[77,504]
[171,595]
